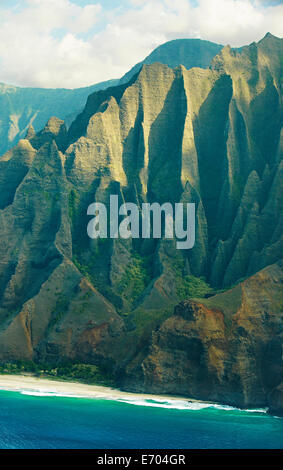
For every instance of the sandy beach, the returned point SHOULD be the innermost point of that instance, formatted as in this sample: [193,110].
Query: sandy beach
[30,385]
[33,385]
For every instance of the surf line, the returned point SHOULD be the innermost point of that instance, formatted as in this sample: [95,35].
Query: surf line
[157,221]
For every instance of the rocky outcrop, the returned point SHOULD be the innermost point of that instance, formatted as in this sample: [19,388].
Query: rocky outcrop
[55,130]
[226,348]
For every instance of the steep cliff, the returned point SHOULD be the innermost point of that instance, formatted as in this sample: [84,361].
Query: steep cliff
[24,107]
[226,348]
[276,401]
[208,136]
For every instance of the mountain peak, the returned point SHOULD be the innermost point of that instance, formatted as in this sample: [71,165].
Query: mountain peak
[30,132]
[54,125]
[269,37]
[55,129]
[188,52]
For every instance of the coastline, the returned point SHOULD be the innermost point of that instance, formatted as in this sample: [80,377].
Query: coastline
[29,384]
[41,386]
[98,417]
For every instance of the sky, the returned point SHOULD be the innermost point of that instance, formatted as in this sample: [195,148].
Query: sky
[76,43]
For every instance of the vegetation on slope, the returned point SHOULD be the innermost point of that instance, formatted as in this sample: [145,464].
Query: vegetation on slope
[85,373]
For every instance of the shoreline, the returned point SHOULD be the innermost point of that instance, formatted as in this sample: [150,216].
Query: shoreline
[47,386]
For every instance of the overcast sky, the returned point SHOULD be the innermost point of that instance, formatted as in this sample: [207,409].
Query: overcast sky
[75,43]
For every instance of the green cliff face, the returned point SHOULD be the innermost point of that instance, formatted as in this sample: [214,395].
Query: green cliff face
[208,136]
[21,108]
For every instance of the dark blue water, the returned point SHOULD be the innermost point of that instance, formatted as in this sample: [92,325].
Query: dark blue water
[40,422]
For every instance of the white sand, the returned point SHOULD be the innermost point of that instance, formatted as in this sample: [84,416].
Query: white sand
[30,385]
[33,385]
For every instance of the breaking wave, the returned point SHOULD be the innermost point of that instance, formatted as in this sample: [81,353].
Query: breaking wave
[185,405]
[155,403]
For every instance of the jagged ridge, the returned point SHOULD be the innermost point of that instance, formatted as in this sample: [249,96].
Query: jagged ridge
[199,135]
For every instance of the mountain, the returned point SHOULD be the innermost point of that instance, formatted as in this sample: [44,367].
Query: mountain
[21,108]
[24,107]
[187,52]
[209,136]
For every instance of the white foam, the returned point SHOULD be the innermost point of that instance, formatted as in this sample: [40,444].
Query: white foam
[50,394]
[223,407]
[169,404]
[186,405]
[43,393]
[155,403]
[259,410]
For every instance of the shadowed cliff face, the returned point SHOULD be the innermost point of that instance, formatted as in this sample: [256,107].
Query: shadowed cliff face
[276,401]
[226,348]
[208,136]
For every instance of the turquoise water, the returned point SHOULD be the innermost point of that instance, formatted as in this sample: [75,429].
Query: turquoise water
[53,422]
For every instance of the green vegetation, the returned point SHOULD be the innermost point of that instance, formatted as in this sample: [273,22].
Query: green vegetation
[83,268]
[136,277]
[46,196]
[94,258]
[191,286]
[140,325]
[91,272]
[85,373]
[148,320]
[60,309]
[187,285]
[73,200]
[17,367]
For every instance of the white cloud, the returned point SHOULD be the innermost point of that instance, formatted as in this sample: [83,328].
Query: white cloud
[47,15]
[53,43]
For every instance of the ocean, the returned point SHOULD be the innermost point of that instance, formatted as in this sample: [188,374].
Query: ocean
[31,420]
